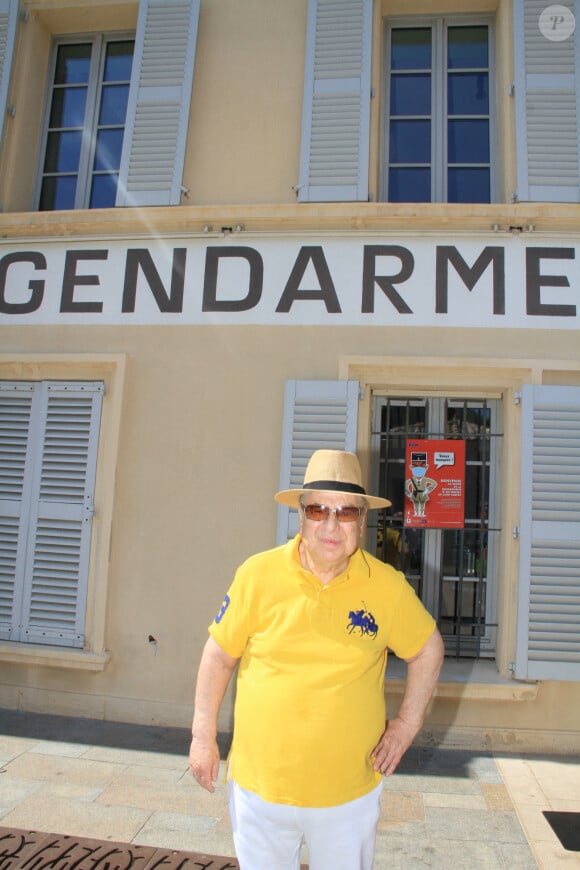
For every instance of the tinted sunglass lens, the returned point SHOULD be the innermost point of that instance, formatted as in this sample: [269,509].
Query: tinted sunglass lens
[319,512]
[347,514]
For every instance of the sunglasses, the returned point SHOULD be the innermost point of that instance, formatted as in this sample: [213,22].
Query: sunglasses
[320,512]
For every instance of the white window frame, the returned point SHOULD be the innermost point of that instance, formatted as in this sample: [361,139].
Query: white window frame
[99,43]
[439,162]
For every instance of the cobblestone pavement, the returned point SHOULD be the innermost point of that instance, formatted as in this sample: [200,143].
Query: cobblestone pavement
[130,784]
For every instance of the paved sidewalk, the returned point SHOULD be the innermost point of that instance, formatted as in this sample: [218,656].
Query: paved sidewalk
[442,809]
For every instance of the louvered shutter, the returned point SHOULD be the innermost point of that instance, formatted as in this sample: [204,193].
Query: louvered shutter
[334,162]
[8,20]
[547,123]
[159,99]
[48,451]
[57,559]
[548,645]
[15,462]
[318,415]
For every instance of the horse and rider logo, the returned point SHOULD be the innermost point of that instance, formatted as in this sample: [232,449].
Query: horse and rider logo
[362,622]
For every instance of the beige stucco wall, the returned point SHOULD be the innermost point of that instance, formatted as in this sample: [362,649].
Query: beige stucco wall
[192,415]
[247,148]
[196,469]
[20,152]
[243,143]
[244,134]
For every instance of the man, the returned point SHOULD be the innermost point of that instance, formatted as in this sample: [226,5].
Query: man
[310,623]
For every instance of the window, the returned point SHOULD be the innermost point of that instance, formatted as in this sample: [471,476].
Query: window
[452,570]
[460,573]
[438,112]
[86,121]
[48,449]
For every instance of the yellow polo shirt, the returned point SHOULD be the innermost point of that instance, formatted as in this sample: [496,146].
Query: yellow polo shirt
[310,690]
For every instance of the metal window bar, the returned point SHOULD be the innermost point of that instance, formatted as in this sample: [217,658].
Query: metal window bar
[465,628]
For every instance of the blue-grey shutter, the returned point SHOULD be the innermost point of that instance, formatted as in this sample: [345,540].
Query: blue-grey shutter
[153,153]
[334,162]
[49,435]
[16,446]
[548,640]
[547,91]
[57,562]
[318,415]
[8,20]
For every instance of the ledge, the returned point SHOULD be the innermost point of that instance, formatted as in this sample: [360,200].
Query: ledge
[467,680]
[54,657]
[240,220]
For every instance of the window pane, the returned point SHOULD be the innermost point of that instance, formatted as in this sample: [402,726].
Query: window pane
[410,185]
[73,64]
[467,48]
[468,94]
[411,48]
[63,151]
[108,150]
[91,85]
[58,193]
[410,142]
[440,86]
[118,61]
[462,553]
[411,94]
[68,107]
[468,141]
[113,104]
[468,185]
[104,191]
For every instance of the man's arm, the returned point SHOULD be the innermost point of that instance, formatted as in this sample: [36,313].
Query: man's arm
[215,670]
[422,675]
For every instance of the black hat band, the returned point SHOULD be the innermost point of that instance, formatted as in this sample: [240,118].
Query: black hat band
[334,486]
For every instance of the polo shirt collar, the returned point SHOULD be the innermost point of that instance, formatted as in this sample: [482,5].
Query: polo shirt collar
[357,567]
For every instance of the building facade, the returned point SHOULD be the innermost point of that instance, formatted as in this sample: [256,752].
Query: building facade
[231,233]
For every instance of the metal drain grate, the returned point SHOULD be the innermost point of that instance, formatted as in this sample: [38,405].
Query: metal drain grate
[34,850]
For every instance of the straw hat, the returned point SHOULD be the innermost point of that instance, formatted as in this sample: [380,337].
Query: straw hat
[332,471]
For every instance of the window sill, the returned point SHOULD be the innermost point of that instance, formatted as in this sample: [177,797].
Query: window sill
[54,657]
[468,680]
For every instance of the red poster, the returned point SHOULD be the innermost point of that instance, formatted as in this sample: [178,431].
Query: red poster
[435,484]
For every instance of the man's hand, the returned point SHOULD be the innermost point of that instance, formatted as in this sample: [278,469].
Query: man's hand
[204,762]
[422,675]
[394,742]
[215,669]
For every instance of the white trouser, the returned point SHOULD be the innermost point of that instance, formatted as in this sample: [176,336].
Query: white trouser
[268,836]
